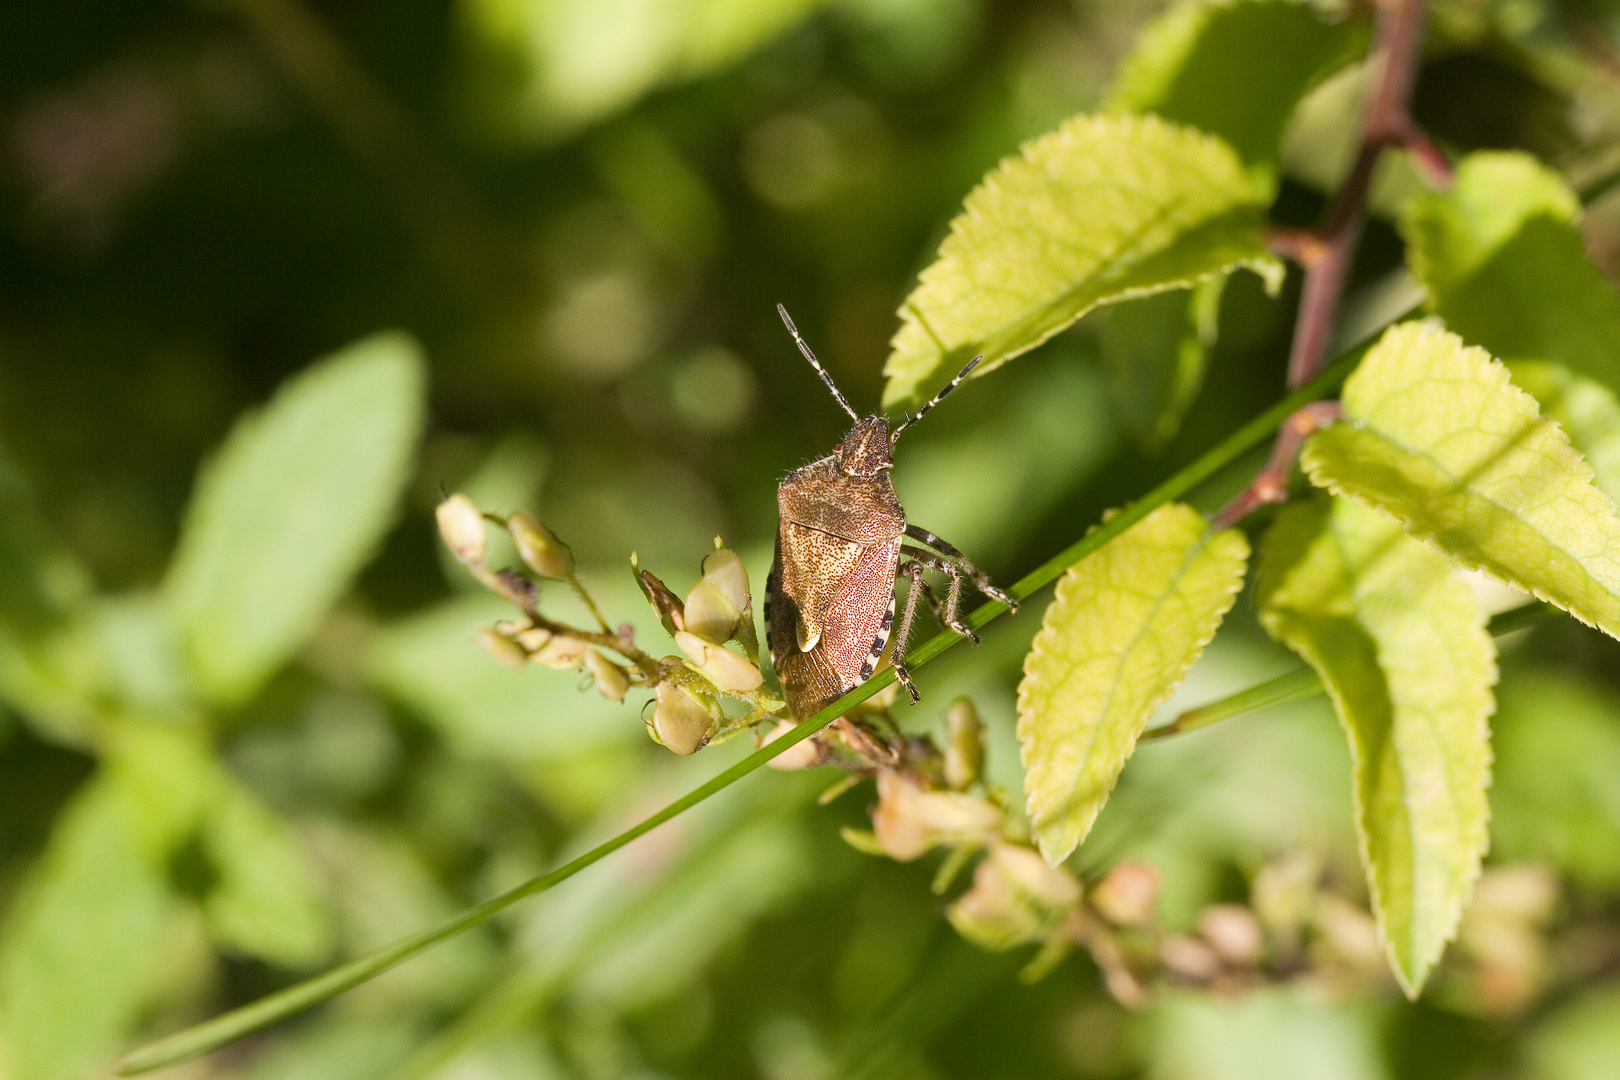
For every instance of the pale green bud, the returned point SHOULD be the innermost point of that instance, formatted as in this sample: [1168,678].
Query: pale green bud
[964,744]
[720,602]
[801,755]
[612,681]
[461,526]
[681,720]
[502,648]
[1015,898]
[539,547]
[909,820]
[724,668]
[563,653]
[1127,893]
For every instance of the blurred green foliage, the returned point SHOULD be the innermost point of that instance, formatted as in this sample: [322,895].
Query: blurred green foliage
[243,731]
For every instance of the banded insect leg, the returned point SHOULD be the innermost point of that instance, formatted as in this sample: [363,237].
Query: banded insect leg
[980,579]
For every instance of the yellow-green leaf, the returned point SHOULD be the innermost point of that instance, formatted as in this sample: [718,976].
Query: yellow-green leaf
[1587,410]
[1402,649]
[1126,624]
[1102,209]
[1444,442]
[1502,255]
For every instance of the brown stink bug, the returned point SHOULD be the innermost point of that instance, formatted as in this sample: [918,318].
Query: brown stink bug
[840,544]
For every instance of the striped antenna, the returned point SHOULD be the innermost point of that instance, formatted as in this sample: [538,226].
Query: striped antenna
[810,356]
[937,398]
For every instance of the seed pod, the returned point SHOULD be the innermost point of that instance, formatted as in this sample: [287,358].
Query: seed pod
[1016,898]
[682,719]
[909,821]
[666,605]
[562,653]
[502,648]
[612,681]
[461,526]
[964,744]
[724,668]
[539,547]
[720,601]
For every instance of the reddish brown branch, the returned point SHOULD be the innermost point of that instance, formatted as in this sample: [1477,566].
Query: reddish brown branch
[1327,252]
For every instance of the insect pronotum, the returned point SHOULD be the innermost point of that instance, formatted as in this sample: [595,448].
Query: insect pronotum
[841,541]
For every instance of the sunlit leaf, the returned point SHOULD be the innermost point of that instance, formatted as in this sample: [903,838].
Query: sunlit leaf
[1462,457]
[1580,1040]
[1233,69]
[289,510]
[1402,648]
[1587,410]
[1102,209]
[83,942]
[1501,253]
[1154,350]
[1272,1033]
[1125,625]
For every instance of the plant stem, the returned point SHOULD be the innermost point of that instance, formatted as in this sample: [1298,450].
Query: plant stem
[1327,252]
[203,1038]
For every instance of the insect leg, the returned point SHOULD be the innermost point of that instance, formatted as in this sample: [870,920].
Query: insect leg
[980,579]
[902,635]
[946,611]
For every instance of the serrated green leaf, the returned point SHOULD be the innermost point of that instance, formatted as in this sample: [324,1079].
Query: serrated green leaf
[1234,69]
[1154,350]
[294,504]
[1502,255]
[1125,625]
[1588,412]
[1102,209]
[1450,447]
[1401,646]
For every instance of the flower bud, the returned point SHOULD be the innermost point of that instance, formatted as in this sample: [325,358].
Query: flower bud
[964,744]
[539,547]
[612,681]
[1233,932]
[534,638]
[562,653]
[801,755]
[909,821]
[681,720]
[724,668]
[1189,958]
[720,601]
[1015,898]
[502,648]
[461,526]
[1126,894]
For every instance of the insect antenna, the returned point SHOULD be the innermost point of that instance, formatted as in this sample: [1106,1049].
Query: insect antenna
[810,356]
[936,399]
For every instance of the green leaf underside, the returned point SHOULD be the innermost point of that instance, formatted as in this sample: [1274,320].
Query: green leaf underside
[1463,458]
[1502,255]
[1401,646]
[294,504]
[1154,350]
[1125,624]
[1588,412]
[1105,208]
[1234,70]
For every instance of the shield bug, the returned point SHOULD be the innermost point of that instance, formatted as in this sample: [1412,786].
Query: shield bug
[841,541]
